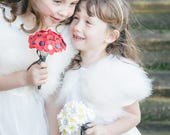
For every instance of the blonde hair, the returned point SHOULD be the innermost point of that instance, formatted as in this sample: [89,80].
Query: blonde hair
[21,7]
[116,14]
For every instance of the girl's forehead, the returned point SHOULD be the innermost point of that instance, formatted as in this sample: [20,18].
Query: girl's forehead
[89,9]
[70,1]
[84,6]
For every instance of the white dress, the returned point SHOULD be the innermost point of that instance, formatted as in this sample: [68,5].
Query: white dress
[22,109]
[106,87]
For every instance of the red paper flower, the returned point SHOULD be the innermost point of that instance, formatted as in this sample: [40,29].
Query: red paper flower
[47,41]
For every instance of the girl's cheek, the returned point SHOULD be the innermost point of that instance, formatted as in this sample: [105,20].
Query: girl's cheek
[44,9]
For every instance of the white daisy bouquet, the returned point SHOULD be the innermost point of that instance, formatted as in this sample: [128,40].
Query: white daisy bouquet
[73,116]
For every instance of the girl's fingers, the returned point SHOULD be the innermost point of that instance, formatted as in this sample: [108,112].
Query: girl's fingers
[39,79]
[91,124]
[43,65]
[89,131]
[43,71]
[37,66]
[44,77]
[38,74]
[41,82]
[40,66]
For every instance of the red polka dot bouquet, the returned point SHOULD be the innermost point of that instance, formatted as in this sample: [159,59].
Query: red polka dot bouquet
[46,42]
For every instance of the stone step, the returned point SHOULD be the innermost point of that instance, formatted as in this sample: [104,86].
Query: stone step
[154,44]
[161,93]
[161,80]
[153,132]
[150,20]
[153,14]
[155,116]
[155,109]
[155,125]
[152,40]
[161,83]
[156,58]
[155,128]
[150,6]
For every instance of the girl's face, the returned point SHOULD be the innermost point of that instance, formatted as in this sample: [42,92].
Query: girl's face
[55,11]
[88,33]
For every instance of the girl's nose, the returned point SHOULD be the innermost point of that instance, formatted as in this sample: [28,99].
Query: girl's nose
[63,12]
[77,26]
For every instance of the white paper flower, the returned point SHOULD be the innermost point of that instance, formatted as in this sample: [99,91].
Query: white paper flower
[73,116]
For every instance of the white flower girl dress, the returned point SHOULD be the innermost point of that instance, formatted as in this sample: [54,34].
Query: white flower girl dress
[22,109]
[106,87]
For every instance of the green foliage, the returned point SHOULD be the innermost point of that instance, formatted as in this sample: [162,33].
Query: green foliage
[160,67]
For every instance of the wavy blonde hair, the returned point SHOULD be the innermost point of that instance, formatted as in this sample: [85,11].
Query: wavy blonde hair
[21,7]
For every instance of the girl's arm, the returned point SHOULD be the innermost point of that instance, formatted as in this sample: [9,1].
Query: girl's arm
[13,80]
[36,75]
[121,125]
[52,110]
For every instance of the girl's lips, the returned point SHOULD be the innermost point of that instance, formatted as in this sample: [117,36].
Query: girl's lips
[55,19]
[77,38]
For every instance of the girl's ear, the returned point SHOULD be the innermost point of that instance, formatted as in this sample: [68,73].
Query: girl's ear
[112,36]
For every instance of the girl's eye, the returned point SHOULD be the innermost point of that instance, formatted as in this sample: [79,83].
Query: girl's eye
[88,22]
[73,3]
[75,18]
[57,1]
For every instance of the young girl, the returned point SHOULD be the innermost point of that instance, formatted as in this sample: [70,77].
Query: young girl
[21,104]
[105,75]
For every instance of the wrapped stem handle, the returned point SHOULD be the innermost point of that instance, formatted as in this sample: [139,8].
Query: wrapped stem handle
[84,127]
[41,59]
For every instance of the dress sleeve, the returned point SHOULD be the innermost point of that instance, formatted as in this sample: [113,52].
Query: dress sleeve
[136,85]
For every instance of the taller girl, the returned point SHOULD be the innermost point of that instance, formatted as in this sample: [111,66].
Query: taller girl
[21,105]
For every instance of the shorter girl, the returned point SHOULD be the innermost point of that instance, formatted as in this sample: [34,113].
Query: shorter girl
[105,75]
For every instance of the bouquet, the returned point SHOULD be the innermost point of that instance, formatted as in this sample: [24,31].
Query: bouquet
[46,42]
[73,116]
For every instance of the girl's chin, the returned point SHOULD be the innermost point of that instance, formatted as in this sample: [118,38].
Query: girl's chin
[52,23]
[77,47]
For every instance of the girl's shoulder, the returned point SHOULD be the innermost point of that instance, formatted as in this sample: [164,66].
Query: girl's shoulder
[127,70]
[10,32]
[123,76]
[6,25]
[122,63]
[112,64]
[119,79]
[132,78]
[119,65]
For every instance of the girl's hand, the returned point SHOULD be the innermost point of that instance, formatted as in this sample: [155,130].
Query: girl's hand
[97,130]
[37,74]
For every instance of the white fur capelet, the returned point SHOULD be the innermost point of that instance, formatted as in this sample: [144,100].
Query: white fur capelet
[107,85]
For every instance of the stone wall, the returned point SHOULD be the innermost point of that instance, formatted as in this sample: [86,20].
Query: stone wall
[150,25]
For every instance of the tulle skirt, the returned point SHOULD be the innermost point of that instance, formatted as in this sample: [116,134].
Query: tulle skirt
[22,114]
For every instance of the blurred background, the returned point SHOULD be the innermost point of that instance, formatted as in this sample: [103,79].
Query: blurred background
[150,25]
